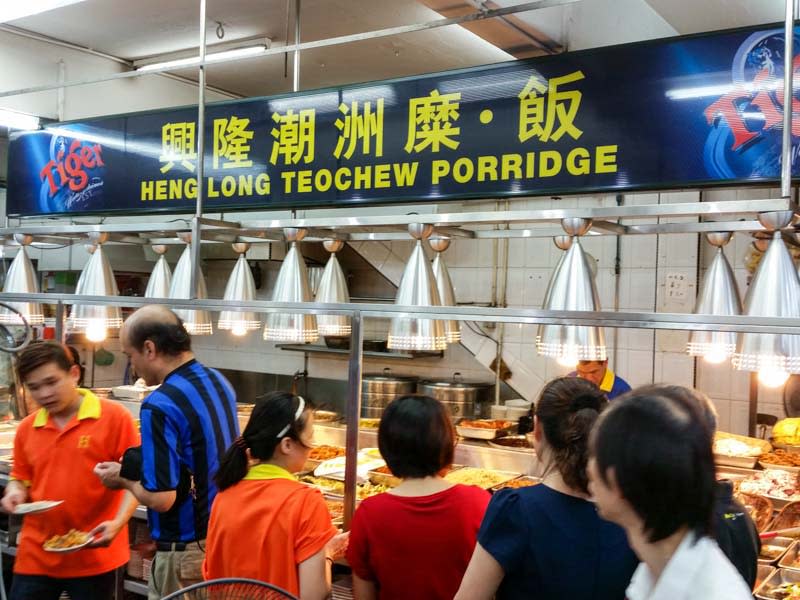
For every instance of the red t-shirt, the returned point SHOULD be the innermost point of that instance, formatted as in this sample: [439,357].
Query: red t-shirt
[416,547]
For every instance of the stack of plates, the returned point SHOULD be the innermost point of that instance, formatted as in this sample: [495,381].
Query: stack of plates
[342,589]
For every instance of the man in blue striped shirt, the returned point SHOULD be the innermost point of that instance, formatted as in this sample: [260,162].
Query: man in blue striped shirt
[186,426]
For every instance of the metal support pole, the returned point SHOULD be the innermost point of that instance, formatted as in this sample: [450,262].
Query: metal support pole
[352,414]
[296,53]
[60,329]
[788,60]
[201,147]
[752,412]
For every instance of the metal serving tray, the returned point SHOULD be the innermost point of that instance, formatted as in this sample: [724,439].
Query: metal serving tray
[789,558]
[783,542]
[526,478]
[778,578]
[762,573]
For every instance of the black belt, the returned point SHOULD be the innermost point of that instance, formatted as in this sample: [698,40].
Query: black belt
[173,546]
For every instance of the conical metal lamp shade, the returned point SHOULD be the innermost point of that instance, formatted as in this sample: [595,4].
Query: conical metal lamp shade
[196,322]
[97,279]
[719,296]
[452,329]
[240,288]
[774,292]
[572,287]
[333,290]
[22,279]
[160,280]
[417,288]
[292,286]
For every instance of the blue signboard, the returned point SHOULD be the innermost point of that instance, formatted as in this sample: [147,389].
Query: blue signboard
[696,111]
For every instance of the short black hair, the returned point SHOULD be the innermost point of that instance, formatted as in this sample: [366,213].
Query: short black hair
[171,339]
[567,409]
[687,396]
[660,453]
[416,437]
[40,354]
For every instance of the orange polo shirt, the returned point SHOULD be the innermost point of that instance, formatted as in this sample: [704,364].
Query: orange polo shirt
[57,464]
[264,526]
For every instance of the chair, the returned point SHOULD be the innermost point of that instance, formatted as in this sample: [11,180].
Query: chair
[231,588]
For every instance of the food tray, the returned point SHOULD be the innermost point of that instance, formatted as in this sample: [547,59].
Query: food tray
[783,542]
[483,433]
[743,462]
[767,465]
[502,476]
[762,572]
[789,558]
[787,518]
[787,447]
[384,479]
[499,443]
[326,416]
[758,507]
[778,578]
[778,503]
[530,481]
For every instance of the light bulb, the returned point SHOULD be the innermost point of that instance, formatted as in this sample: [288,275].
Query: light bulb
[238,328]
[567,361]
[96,330]
[772,377]
[715,354]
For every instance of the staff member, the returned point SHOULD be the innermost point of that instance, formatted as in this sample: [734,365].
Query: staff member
[55,450]
[187,424]
[598,373]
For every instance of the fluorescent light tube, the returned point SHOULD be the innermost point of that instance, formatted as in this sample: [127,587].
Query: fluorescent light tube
[195,60]
[17,120]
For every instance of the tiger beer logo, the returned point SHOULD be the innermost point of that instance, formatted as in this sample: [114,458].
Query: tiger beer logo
[69,166]
[83,441]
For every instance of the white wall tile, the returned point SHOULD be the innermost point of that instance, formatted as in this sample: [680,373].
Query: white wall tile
[739,418]
[539,252]
[723,406]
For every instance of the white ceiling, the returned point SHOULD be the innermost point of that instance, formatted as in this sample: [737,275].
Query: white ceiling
[142,28]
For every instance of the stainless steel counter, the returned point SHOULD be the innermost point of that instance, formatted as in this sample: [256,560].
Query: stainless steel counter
[468,452]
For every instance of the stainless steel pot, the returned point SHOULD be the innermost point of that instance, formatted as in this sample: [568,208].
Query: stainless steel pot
[461,397]
[377,400]
[386,383]
[371,412]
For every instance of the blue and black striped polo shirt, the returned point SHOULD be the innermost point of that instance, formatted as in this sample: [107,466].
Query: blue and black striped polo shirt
[187,424]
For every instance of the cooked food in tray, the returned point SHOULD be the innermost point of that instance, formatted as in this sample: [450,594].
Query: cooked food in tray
[769,552]
[335,508]
[780,457]
[486,424]
[759,507]
[788,517]
[369,423]
[325,452]
[484,478]
[521,482]
[785,591]
[72,539]
[336,488]
[732,447]
[775,483]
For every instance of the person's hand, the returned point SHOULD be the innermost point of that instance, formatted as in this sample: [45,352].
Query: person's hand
[108,473]
[15,495]
[104,534]
[336,548]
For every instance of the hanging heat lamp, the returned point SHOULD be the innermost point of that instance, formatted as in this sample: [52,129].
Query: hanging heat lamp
[719,297]
[196,321]
[333,290]
[417,288]
[447,295]
[292,286]
[161,277]
[22,279]
[96,279]
[241,287]
[572,287]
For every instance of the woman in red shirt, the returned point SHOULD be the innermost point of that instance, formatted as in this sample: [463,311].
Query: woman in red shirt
[264,523]
[416,540]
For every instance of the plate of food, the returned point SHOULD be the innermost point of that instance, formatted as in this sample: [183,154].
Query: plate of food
[519,482]
[780,486]
[781,459]
[69,542]
[483,429]
[27,508]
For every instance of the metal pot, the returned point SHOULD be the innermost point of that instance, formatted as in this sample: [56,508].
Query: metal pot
[386,383]
[377,400]
[461,397]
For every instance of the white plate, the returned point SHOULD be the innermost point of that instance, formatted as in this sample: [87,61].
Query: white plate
[28,508]
[767,465]
[70,548]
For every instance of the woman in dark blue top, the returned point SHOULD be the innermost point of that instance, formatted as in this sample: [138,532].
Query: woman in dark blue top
[547,542]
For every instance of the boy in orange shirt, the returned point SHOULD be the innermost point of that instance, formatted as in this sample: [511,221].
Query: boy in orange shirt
[55,451]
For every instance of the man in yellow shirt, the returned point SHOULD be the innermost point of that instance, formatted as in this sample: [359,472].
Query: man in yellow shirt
[598,373]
